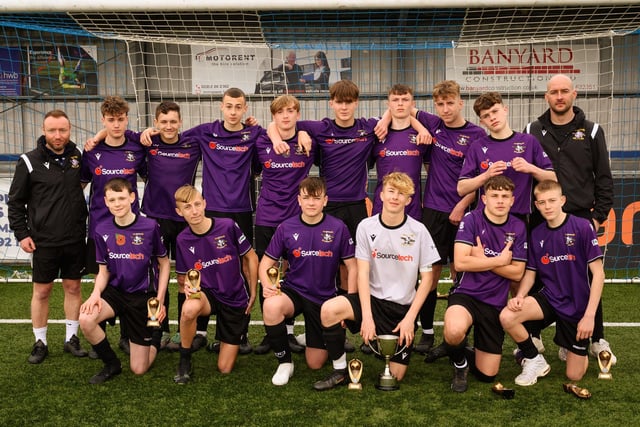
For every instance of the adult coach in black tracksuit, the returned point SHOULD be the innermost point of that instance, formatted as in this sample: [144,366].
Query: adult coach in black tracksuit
[578,150]
[47,213]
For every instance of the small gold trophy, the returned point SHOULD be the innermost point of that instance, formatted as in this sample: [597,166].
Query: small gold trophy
[193,281]
[274,277]
[355,372]
[604,362]
[153,306]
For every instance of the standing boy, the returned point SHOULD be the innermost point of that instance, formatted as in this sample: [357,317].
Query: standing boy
[281,176]
[392,249]
[442,206]
[133,267]
[228,271]
[564,250]
[518,156]
[314,244]
[490,251]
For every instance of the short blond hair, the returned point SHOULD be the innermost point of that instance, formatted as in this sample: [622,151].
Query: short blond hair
[187,193]
[400,181]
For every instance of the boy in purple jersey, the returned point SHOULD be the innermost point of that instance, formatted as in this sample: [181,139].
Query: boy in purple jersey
[172,162]
[392,250]
[281,175]
[563,251]
[133,268]
[518,156]
[400,151]
[314,244]
[228,153]
[118,155]
[490,251]
[442,207]
[228,267]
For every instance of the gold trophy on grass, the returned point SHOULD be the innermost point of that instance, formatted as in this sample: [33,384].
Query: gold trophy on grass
[387,348]
[604,362]
[355,372]
[273,273]
[193,281]
[153,307]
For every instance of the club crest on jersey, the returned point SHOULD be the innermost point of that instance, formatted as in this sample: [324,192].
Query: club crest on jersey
[295,236]
[245,137]
[137,238]
[509,237]
[579,134]
[221,242]
[570,239]
[327,236]
[121,240]
[130,157]
[362,132]
[518,147]
[413,139]
[299,150]
[75,163]
[408,239]
[192,249]
[462,140]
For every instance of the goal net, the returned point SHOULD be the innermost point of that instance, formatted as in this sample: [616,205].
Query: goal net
[73,60]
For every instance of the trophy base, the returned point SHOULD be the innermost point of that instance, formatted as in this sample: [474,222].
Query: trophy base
[355,386]
[386,383]
[153,324]
[605,376]
[195,296]
[387,387]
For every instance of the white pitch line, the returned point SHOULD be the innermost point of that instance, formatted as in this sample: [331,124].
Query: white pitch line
[298,323]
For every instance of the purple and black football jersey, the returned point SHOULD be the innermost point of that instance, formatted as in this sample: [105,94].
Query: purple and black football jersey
[217,255]
[487,286]
[227,159]
[445,157]
[130,253]
[399,152]
[104,163]
[561,256]
[483,153]
[281,176]
[170,166]
[344,153]
[314,253]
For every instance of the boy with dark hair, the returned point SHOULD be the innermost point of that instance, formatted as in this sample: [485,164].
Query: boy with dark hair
[133,267]
[563,251]
[313,243]
[516,155]
[117,155]
[489,253]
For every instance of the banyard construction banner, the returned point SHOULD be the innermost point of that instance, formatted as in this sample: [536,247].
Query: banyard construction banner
[523,67]
[218,68]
